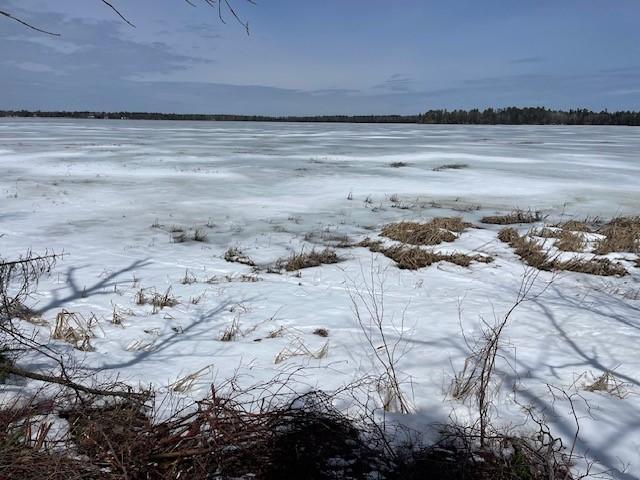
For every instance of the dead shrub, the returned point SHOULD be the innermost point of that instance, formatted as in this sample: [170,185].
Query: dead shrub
[235,255]
[309,259]
[434,232]
[512,218]
[398,164]
[622,234]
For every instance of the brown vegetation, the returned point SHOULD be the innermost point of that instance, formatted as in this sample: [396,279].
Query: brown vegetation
[434,232]
[622,234]
[534,254]
[413,258]
[517,216]
[313,258]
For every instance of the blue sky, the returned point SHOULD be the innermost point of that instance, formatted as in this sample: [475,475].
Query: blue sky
[322,56]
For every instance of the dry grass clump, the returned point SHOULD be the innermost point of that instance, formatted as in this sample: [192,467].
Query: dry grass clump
[517,216]
[157,300]
[434,232]
[313,258]
[570,241]
[373,245]
[413,258]
[534,254]
[450,166]
[235,255]
[575,226]
[608,383]
[231,331]
[622,234]
[74,329]
[298,349]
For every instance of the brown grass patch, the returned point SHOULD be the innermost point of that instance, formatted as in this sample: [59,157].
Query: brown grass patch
[314,258]
[575,226]
[517,216]
[413,258]
[434,232]
[622,234]
[534,254]
[570,241]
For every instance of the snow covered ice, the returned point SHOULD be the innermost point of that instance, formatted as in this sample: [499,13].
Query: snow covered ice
[109,194]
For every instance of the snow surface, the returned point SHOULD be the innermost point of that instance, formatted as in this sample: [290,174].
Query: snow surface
[107,192]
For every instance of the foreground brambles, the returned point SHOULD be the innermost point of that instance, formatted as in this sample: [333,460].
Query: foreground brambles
[303,436]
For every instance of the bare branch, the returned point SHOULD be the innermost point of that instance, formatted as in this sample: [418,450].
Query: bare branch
[27,24]
[118,13]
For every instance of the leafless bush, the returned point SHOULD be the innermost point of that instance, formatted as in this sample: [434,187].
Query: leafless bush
[475,380]
[367,302]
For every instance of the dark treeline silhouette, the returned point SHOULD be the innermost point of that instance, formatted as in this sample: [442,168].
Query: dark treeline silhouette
[489,116]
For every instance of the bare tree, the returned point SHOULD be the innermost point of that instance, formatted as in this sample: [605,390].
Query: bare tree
[223,7]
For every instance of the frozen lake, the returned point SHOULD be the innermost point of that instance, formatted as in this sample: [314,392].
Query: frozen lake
[109,194]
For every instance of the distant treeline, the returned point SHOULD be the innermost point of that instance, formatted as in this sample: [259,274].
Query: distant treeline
[489,116]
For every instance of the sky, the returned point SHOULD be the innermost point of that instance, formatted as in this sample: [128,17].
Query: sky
[309,57]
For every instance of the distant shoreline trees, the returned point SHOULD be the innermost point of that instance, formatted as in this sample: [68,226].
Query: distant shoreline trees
[489,116]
